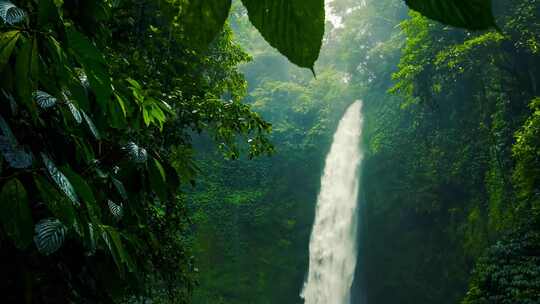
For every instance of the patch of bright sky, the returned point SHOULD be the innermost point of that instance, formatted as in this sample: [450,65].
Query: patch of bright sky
[337,21]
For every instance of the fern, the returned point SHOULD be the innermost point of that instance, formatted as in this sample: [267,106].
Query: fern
[50,235]
[13,153]
[61,180]
[44,99]
[136,153]
[10,13]
[116,210]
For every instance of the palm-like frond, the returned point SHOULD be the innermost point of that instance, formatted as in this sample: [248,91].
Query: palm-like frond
[44,99]
[50,235]
[10,13]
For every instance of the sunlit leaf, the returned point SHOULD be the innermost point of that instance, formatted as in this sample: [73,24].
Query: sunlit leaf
[8,40]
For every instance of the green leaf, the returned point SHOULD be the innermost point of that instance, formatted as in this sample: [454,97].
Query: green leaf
[74,111]
[91,125]
[11,14]
[15,214]
[213,12]
[14,154]
[8,40]
[111,237]
[60,206]
[116,210]
[136,154]
[26,74]
[117,113]
[85,193]
[469,14]
[50,235]
[95,67]
[47,13]
[294,27]
[44,99]
[60,179]
[120,188]
[158,180]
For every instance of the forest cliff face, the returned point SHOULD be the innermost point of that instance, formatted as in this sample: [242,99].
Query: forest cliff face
[449,182]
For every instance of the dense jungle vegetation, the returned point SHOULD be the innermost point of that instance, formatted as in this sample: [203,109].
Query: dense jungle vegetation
[170,151]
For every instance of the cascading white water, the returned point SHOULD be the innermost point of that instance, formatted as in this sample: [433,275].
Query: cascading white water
[332,247]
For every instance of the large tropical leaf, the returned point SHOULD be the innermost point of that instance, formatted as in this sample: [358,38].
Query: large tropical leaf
[26,72]
[136,154]
[85,192]
[50,235]
[157,178]
[74,111]
[120,188]
[8,40]
[294,27]
[10,13]
[90,239]
[112,239]
[91,125]
[95,67]
[14,154]
[204,19]
[116,210]
[57,203]
[44,99]
[60,179]
[15,214]
[469,14]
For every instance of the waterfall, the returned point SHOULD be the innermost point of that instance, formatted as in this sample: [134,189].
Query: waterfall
[332,247]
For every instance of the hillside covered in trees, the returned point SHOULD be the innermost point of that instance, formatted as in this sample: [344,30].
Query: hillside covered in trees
[171,151]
